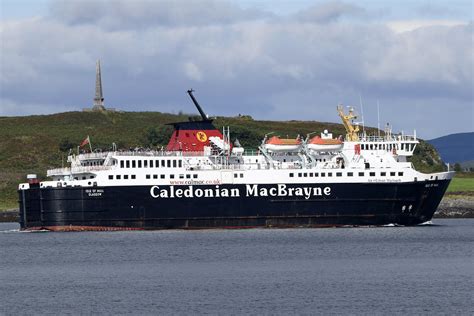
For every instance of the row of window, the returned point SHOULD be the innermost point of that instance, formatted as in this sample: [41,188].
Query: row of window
[171,176]
[408,147]
[92,163]
[339,174]
[84,177]
[125,176]
[151,163]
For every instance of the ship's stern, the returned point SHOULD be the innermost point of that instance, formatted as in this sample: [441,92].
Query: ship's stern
[29,198]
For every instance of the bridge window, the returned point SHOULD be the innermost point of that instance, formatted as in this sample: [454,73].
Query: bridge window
[235,175]
[188,176]
[316,174]
[151,163]
[180,163]
[329,174]
[372,174]
[305,174]
[400,174]
[171,176]
[383,174]
[155,176]
[163,163]
[134,164]
[157,163]
[350,174]
[168,163]
[122,164]
[147,176]
[111,177]
[139,163]
[128,163]
[323,174]
[162,176]
[118,177]
[392,174]
[195,176]
[241,175]
[145,163]
[125,177]
[292,174]
[133,176]
[361,174]
[174,163]
[311,174]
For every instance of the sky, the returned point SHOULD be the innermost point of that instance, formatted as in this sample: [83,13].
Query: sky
[273,60]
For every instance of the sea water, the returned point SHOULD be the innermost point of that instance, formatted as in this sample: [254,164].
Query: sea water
[372,270]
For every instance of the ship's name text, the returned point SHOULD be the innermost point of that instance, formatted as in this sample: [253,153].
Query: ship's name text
[280,190]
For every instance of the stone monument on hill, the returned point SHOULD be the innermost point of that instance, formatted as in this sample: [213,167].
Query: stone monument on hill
[99,96]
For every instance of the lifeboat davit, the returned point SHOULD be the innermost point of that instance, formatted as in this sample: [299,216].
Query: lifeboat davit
[325,143]
[277,144]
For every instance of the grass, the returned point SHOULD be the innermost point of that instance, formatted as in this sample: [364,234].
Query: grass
[463,184]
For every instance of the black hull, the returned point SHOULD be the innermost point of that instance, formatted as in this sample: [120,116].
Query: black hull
[134,207]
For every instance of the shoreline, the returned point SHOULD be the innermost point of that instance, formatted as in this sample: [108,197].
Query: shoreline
[458,207]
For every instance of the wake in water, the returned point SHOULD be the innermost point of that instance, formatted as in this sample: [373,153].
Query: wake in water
[428,223]
[393,225]
[12,231]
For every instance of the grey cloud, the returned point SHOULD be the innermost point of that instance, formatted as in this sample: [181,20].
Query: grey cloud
[271,69]
[329,12]
[123,14]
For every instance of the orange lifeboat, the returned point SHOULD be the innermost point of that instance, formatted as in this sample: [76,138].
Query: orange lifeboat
[277,144]
[325,143]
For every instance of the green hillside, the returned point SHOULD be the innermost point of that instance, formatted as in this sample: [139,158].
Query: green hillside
[33,144]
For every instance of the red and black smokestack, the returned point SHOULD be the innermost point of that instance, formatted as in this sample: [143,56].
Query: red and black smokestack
[193,135]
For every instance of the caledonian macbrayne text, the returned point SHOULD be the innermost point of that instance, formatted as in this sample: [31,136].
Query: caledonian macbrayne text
[280,190]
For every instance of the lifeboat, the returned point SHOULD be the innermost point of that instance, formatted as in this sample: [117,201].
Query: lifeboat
[277,144]
[325,143]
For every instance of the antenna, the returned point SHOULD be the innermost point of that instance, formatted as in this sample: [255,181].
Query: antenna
[203,115]
[378,117]
[362,114]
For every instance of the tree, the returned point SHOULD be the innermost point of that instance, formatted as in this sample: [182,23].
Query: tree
[158,135]
[457,167]
[65,144]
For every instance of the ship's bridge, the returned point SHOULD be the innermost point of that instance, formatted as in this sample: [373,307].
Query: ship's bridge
[400,145]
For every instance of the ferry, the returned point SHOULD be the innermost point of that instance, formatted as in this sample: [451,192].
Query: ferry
[203,180]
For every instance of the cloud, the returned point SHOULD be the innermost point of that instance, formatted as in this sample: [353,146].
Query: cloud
[401,26]
[272,68]
[123,14]
[192,71]
[329,12]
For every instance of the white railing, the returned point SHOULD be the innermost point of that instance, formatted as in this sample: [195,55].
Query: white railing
[93,156]
[75,170]
[392,138]
[158,153]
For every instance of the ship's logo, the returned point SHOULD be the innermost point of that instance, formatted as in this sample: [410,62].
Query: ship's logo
[201,136]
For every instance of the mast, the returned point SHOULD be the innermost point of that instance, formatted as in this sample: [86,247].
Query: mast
[347,121]
[203,115]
